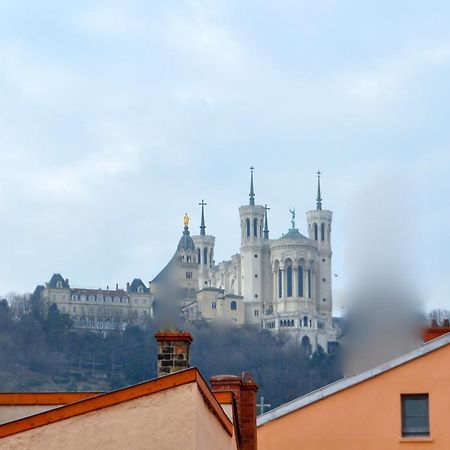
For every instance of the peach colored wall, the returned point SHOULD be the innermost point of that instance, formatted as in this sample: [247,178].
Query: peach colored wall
[210,433]
[367,416]
[13,412]
[165,420]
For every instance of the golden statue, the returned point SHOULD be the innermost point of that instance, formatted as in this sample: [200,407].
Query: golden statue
[186,220]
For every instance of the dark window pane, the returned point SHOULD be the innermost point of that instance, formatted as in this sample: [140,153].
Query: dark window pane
[415,421]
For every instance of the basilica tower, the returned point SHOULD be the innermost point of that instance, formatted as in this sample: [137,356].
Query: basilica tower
[204,245]
[254,256]
[319,230]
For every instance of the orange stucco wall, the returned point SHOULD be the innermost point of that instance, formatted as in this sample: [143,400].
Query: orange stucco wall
[368,415]
[176,418]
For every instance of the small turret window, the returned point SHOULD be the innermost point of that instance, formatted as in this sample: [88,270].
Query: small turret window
[280,284]
[205,256]
[316,237]
[255,227]
[300,281]
[199,255]
[247,225]
[322,231]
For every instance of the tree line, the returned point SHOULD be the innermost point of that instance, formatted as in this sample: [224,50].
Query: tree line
[40,350]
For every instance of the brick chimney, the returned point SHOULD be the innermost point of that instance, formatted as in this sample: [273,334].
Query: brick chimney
[244,389]
[173,351]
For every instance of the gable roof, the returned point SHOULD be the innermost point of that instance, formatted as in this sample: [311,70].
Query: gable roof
[137,283]
[191,375]
[346,383]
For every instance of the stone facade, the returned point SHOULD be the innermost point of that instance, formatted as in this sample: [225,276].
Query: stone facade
[99,309]
[282,285]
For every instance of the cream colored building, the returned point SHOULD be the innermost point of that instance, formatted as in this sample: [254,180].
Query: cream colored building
[283,285]
[99,309]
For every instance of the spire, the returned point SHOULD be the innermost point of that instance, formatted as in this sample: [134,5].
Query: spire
[266,223]
[252,191]
[319,198]
[202,224]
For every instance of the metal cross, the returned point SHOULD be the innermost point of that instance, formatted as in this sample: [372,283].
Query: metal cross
[203,203]
[262,405]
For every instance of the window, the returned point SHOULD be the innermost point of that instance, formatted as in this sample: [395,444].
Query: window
[256,312]
[189,259]
[189,275]
[91,298]
[255,227]
[309,282]
[300,281]
[59,284]
[415,420]
[213,305]
[315,232]
[205,256]
[140,289]
[199,255]
[289,281]
[247,226]
[305,321]
[280,284]
[74,297]
[322,231]
[233,305]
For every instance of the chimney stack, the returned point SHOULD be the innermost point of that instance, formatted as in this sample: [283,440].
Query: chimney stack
[173,351]
[244,389]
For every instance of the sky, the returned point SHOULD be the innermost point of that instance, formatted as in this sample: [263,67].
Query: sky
[116,118]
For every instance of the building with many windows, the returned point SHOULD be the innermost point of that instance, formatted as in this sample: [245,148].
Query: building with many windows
[282,284]
[99,309]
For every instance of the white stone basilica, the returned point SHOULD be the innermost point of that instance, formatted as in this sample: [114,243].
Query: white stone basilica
[282,285]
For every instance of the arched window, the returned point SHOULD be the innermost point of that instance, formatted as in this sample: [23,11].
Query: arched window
[255,227]
[247,225]
[189,259]
[233,305]
[59,284]
[205,256]
[309,282]
[315,232]
[210,259]
[280,283]
[306,344]
[305,321]
[199,255]
[300,281]
[322,231]
[289,280]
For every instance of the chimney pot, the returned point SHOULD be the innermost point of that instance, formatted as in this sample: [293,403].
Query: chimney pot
[244,389]
[117,286]
[173,351]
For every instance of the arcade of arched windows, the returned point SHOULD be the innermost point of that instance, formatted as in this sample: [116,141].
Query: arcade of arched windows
[291,280]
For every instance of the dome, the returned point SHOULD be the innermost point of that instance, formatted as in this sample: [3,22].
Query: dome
[293,233]
[186,242]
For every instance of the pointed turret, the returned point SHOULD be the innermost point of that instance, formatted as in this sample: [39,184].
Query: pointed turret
[202,223]
[319,197]
[252,191]
[266,223]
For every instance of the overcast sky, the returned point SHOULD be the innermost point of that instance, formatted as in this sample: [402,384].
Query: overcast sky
[116,118]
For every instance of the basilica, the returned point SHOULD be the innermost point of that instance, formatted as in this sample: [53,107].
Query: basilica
[282,284]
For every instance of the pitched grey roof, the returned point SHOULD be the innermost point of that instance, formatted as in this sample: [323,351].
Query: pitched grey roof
[345,383]
[55,278]
[135,284]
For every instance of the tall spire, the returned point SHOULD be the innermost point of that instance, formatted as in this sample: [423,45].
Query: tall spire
[266,223]
[252,191]
[319,197]
[202,223]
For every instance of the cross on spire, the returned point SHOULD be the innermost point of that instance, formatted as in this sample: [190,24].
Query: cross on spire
[319,197]
[252,191]
[202,223]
